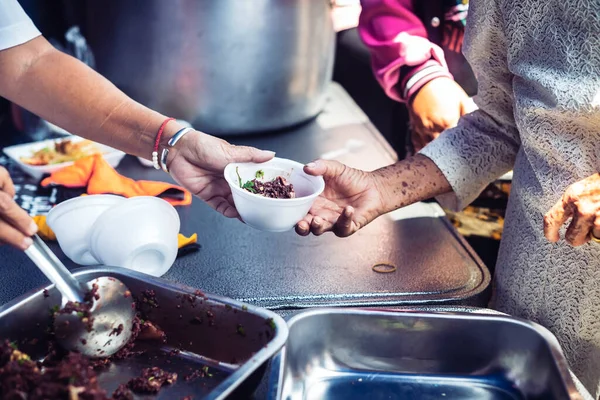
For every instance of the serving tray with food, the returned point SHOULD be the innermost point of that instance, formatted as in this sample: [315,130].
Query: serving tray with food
[44,157]
[184,344]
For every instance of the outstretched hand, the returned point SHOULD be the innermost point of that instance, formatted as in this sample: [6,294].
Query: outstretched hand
[350,200]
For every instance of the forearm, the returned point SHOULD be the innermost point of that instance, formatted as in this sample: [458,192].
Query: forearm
[409,181]
[66,92]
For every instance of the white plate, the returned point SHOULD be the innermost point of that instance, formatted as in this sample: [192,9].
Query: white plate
[113,157]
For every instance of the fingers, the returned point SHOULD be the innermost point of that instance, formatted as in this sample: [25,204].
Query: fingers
[325,168]
[303,227]
[555,218]
[249,154]
[345,225]
[578,232]
[16,226]
[6,184]
[11,236]
[596,227]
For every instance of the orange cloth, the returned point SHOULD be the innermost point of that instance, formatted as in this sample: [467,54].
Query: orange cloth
[100,178]
[47,234]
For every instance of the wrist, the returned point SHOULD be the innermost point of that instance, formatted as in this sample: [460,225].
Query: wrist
[385,189]
[186,142]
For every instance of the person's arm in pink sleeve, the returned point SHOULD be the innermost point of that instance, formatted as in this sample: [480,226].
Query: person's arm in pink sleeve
[403,59]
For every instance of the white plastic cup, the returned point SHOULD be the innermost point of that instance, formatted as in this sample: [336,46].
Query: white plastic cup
[267,214]
[140,234]
[72,221]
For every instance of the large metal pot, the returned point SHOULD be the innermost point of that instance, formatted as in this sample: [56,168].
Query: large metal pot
[227,66]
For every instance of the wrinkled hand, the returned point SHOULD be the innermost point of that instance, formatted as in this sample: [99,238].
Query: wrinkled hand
[581,202]
[350,200]
[16,226]
[437,106]
[198,161]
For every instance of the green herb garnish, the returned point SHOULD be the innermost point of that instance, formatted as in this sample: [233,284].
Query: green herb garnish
[13,345]
[150,379]
[271,323]
[245,307]
[237,171]
[249,186]
[55,309]
[80,314]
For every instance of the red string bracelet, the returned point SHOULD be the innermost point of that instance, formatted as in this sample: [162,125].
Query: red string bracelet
[157,142]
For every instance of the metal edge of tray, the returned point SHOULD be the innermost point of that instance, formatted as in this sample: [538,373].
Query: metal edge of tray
[239,375]
[470,313]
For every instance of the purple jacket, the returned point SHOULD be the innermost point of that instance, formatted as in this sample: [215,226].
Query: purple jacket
[403,57]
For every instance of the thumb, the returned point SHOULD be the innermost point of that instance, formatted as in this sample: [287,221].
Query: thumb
[325,168]
[242,154]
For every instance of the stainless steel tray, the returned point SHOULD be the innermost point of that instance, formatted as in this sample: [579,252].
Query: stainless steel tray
[235,347]
[358,354]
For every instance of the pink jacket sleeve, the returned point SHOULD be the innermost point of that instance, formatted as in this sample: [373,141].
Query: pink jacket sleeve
[403,58]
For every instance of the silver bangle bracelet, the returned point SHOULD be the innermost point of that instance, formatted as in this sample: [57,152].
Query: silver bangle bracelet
[172,142]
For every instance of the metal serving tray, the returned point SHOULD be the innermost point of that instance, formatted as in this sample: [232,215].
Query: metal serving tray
[359,354]
[235,347]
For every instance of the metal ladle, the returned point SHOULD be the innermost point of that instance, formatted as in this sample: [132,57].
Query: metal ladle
[113,308]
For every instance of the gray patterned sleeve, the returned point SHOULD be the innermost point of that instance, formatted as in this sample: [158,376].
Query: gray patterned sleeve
[485,143]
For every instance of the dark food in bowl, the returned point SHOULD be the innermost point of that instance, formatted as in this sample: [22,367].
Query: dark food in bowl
[277,188]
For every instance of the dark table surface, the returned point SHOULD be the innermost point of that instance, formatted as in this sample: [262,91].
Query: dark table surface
[286,272]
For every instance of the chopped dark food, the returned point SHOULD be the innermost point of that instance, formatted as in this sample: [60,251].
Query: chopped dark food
[194,375]
[46,294]
[123,393]
[149,297]
[117,331]
[151,380]
[277,188]
[71,378]
[83,309]
[196,321]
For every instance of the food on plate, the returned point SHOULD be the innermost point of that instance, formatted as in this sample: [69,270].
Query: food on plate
[63,151]
[277,188]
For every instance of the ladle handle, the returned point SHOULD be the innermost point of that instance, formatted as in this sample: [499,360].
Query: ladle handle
[55,270]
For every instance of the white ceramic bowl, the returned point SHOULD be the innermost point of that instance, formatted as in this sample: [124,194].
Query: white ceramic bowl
[139,234]
[273,215]
[72,221]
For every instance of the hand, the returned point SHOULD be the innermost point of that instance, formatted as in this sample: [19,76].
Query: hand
[350,200]
[16,226]
[436,107]
[581,202]
[198,161]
